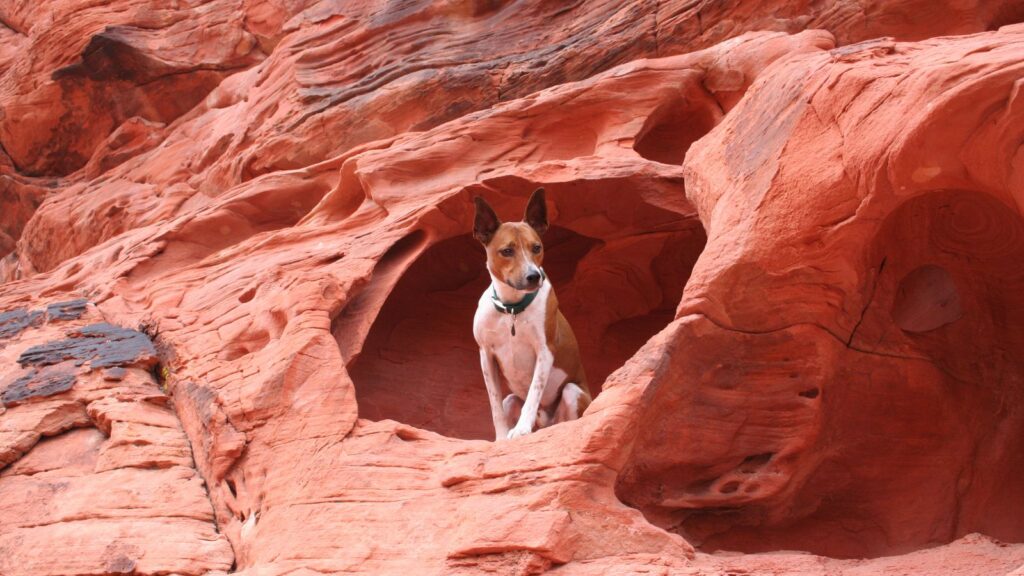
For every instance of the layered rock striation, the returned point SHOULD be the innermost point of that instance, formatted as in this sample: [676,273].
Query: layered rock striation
[239,284]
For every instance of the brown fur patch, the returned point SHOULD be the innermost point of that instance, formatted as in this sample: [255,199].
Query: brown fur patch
[562,342]
[521,238]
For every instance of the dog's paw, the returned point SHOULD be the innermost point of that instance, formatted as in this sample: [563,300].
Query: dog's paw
[518,431]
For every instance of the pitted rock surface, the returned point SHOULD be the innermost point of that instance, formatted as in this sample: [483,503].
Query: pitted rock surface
[788,236]
[96,475]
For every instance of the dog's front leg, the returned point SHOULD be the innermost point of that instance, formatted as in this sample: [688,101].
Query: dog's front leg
[528,418]
[490,370]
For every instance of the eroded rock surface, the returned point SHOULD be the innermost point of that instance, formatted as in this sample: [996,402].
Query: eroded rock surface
[790,250]
[96,476]
[871,412]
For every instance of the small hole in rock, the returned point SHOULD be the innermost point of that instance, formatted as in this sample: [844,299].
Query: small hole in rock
[247,295]
[810,393]
[407,434]
[753,463]
[332,258]
[672,128]
[729,487]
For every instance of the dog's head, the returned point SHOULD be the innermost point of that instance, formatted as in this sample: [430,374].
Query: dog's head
[514,249]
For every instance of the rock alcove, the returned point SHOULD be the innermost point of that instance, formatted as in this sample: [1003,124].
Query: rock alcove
[843,374]
[618,265]
[930,362]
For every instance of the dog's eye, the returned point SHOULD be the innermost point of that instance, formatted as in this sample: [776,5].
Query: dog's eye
[536,248]
[506,252]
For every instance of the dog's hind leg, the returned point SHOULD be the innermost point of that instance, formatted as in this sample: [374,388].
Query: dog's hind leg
[573,402]
[513,406]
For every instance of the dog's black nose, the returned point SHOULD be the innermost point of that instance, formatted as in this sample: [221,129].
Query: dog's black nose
[533,277]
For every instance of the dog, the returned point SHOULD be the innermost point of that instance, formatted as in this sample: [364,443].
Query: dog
[524,339]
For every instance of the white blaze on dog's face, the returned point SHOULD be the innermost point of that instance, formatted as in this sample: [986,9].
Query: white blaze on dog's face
[514,249]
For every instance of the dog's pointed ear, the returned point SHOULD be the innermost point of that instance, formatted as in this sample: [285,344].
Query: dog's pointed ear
[537,212]
[486,222]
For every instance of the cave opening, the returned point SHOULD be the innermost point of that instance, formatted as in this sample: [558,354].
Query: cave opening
[616,285]
[673,127]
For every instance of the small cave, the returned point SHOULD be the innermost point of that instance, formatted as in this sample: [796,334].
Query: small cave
[948,307]
[952,286]
[909,435]
[674,126]
[420,365]
[952,292]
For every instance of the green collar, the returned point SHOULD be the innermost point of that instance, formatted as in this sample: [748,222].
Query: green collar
[518,307]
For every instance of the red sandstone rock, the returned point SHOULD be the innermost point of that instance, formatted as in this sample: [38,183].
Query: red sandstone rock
[278,191]
[99,478]
[336,77]
[850,429]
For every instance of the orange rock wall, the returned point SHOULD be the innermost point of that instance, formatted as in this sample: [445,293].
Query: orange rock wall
[790,249]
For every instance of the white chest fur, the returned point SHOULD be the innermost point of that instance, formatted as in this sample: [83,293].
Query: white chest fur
[516,355]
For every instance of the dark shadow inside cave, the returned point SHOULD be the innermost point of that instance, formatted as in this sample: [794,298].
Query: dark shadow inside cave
[673,127]
[420,364]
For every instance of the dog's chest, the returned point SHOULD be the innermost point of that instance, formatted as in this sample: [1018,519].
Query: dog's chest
[517,360]
[516,354]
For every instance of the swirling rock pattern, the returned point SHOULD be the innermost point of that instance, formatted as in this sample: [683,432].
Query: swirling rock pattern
[788,237]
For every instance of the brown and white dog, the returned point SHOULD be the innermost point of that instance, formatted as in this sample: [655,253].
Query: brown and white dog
[524,340]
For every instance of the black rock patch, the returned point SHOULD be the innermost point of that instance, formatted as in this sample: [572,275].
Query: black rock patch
[103,345]
[15,321]
[36,384]
[70,310]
